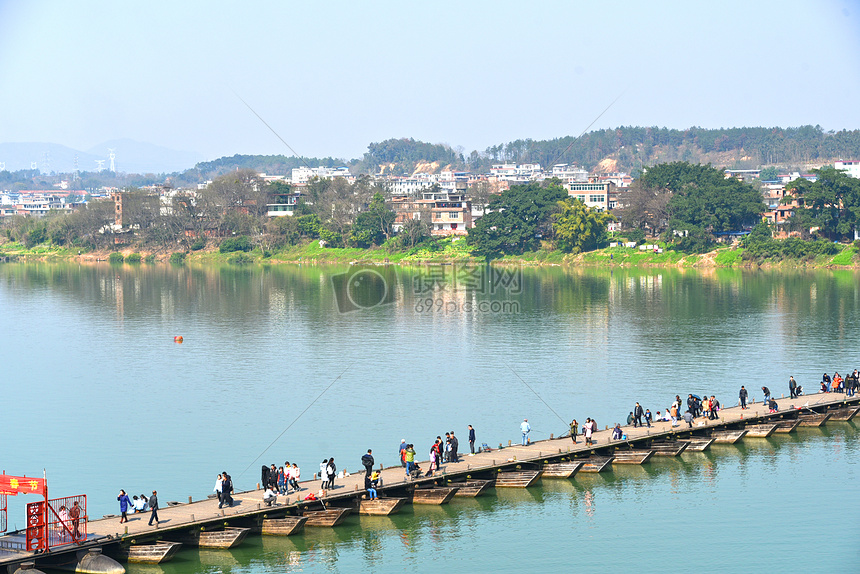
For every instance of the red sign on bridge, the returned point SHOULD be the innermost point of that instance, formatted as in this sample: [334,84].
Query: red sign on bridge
[21,485]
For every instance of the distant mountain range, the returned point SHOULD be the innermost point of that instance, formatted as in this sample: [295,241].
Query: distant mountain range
[131,157]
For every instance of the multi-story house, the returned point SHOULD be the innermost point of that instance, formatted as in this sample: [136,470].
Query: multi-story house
[592,194]
[850,166]
[301,175]
[450,213]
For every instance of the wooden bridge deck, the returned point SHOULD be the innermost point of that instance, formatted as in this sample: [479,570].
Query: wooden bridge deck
[249,506]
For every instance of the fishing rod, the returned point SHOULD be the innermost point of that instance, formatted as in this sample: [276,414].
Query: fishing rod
[336,379]
[570,145]
[535,393]
[265,123]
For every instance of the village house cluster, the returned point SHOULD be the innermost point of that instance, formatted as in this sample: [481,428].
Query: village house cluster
[450,202]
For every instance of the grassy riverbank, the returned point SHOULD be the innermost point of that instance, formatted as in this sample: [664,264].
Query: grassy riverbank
[444,251]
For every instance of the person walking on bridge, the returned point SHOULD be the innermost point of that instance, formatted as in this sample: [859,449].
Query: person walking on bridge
[637,415]
[574,428]
[438,446]
[324,474]
[410,460]
[124,502]
[525,428]
[218,486]
[367,462]
[434,460]
[226,489]
[295,476]
[75,515]
[331,472]
[742,395]
[766,392]
[471,439]
[714,408]
[589,430]
[792,387]
[153,506]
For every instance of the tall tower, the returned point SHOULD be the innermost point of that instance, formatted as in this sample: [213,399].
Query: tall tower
[77,171]
[112,162]
[2,166]
[101,165]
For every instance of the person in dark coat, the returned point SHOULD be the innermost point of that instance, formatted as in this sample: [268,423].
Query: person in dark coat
[471,439]
[792,387]
[153,506]
[331,471]
[637,415]
[455,446]
[367,463]
[226,489]
[264,477]
[742,395]
[273,477]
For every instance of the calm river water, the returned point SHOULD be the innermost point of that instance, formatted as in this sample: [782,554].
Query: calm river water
[96,392]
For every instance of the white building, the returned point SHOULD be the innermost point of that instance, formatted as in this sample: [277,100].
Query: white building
[594,195]
[852,167]
[301,175]
[410,186]
[569,173]
[516,173]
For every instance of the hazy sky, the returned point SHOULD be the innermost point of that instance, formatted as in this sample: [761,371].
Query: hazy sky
[330,77]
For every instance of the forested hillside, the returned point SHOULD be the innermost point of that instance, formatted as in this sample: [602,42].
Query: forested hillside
[621,149]
[627,149]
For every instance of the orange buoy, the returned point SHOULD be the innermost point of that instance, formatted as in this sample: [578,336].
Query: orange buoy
[177,339]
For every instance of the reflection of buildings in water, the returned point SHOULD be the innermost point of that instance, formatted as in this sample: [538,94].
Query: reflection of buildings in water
[218,558]
[119,299]
[589,503]
[277,304]
[168,304]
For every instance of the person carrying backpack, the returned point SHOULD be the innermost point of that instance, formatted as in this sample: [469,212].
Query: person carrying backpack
[367,462]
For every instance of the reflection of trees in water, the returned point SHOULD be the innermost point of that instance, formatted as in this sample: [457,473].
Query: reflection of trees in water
[165,290]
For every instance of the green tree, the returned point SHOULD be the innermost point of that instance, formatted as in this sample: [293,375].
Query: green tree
[832,202]
[373,226]
[517,220]
[703,197]
[414,231]
[579,228]
[761,233]
[768,174]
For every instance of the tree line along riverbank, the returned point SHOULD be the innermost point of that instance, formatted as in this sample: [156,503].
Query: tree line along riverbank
[674,214]
[445,252]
